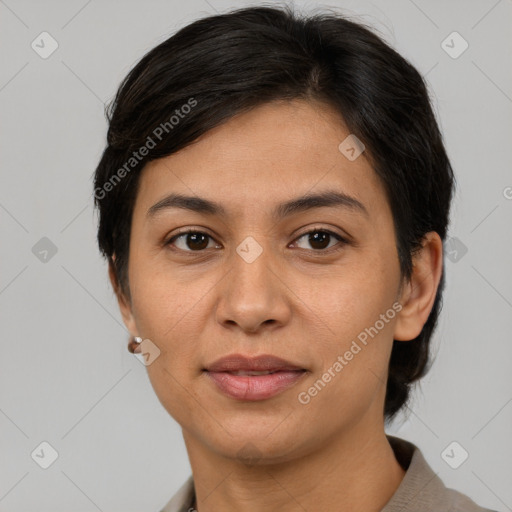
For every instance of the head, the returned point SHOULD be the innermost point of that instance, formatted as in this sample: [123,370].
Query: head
[315,143]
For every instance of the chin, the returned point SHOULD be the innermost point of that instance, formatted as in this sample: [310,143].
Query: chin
[257,447]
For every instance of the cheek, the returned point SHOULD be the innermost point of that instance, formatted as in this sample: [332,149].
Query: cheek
[352,373]
[352,298]
[357,306]
[361,323]
[167,313]
[168,316]
[162,302]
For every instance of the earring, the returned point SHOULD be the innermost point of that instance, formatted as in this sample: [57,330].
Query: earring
[134,345]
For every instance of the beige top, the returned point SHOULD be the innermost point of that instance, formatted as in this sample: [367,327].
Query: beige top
[421,490]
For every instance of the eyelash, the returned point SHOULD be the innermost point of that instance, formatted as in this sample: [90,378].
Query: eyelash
[341,240]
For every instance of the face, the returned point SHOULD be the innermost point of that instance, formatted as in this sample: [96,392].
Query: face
[301,283]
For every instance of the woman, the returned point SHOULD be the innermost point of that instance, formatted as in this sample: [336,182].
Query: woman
[273,202]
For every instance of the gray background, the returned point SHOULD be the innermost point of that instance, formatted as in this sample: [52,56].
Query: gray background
[65,374]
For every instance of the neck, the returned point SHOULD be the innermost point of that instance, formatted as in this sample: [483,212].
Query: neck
[355,471]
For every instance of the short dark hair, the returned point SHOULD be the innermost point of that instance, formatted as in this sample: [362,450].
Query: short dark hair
[226,64]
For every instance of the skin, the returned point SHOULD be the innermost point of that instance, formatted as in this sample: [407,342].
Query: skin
[296,301]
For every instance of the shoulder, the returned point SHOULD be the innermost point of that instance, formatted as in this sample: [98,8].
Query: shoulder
[461,503]
[421,489]
[182,499]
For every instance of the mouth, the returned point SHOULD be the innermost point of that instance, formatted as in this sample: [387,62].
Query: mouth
[251,379]
[254,373]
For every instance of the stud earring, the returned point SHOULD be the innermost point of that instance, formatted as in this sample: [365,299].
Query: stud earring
[134,345]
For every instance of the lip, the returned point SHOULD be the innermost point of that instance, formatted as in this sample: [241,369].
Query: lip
[239,362]
[253,387]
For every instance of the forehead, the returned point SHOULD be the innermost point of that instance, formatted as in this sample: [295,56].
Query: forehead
[263,157]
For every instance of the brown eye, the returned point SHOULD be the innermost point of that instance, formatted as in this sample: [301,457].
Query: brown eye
[191,241]
[320,239]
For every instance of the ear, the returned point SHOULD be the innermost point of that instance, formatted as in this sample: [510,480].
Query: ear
[419,293]
[124,302]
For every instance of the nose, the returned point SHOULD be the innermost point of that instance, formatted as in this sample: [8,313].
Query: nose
[253,297]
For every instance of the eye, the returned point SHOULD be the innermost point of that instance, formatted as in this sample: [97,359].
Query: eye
[196,241]
[191,241]
[320,239]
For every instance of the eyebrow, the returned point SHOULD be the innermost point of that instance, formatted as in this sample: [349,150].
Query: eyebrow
[328,198]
